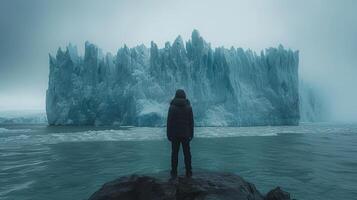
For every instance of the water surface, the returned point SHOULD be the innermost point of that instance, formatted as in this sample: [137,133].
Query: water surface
[311,161]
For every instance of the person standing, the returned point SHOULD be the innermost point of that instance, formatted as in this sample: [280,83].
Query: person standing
[179,130]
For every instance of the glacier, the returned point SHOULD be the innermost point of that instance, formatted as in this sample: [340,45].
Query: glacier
[23,117]
[313,104]
[226,87]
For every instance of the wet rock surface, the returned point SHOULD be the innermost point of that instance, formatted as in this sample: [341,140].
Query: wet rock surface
[203,185]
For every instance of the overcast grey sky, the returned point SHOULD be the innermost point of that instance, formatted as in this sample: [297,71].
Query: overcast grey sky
[325,33]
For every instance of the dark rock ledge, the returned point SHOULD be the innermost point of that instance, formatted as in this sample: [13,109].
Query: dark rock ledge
[203,185]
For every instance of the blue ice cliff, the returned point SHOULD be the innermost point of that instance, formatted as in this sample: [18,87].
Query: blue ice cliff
[226,87]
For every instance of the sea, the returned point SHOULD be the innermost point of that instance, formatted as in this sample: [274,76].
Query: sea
[312,161]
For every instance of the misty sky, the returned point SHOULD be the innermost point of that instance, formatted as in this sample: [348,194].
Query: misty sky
[325,33]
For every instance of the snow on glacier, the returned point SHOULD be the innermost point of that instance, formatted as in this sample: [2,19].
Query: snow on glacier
[226,87]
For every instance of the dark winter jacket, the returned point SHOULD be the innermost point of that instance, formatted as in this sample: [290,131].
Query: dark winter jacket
[180,117]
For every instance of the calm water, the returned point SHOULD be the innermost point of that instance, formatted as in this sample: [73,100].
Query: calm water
[312,161]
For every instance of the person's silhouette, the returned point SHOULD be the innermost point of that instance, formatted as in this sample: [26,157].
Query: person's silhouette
[180,130]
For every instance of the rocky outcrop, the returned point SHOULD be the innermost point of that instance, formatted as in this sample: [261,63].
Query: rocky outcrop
[202,186]
[277,194]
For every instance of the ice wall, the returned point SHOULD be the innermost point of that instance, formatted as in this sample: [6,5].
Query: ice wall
[313,105]
[226,87]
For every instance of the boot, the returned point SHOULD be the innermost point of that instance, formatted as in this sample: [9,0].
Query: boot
[173,174]
[189,174]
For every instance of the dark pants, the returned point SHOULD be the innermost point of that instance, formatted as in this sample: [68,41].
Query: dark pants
[186,152]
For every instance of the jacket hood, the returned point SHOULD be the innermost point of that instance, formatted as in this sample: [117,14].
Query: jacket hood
[180,102]
[180,94]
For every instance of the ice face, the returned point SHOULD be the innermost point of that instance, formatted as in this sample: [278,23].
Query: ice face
[22,117]
[313,105]
[226,87]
